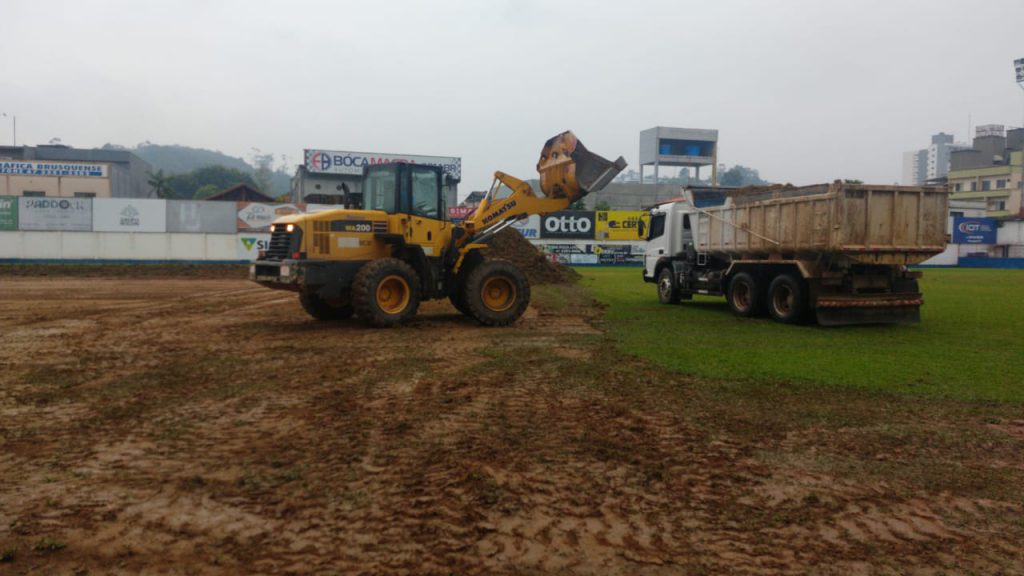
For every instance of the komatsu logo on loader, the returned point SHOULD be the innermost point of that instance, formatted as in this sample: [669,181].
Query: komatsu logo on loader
[499,212]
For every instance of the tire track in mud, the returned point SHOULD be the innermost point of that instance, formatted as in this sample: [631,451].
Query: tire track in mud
[261,441]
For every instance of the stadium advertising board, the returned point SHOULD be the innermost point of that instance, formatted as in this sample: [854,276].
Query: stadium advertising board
[129,215]
[71,214]
[257,217]
[460,213]
[8,212]
[568,224]
[582,254]
[620,224]
[204,217]
[249,245]
[974,230]
[529,227]
[352,163]
[52,168]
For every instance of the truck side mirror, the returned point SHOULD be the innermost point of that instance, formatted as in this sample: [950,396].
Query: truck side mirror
[641,231]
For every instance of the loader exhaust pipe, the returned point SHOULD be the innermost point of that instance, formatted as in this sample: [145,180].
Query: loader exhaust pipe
[568,170]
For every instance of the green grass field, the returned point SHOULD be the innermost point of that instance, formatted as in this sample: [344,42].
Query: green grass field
[969,344]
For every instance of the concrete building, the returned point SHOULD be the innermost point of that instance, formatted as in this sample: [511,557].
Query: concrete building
[334,177]
[931,163]
[679,147]
[62,171]
[990,171]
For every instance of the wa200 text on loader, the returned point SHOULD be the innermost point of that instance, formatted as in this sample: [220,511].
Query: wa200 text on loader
[380,262]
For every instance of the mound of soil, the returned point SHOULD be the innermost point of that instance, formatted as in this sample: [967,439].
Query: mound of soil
[512,246]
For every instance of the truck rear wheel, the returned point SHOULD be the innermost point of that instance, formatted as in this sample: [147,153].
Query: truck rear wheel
[787,299]
[386,292]
[668,289]
[321,309]
[744,295]
[496,293]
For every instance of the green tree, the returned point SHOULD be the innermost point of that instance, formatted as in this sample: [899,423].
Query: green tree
[161,184]
[578,205]
[740,176]
[264,171]
[602,205]
[206,191]
[186,185]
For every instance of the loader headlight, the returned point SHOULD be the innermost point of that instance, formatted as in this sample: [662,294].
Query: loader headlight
[290,227]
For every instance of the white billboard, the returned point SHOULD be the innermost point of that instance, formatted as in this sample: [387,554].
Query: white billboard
[73,214]
[129,215]
[249,245]
[51,168]
[351,163]
[253,216]
[529,227]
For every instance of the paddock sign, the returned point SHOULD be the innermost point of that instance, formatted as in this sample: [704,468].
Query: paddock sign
[73,214]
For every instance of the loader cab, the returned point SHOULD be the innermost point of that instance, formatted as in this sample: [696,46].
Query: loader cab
[402,188]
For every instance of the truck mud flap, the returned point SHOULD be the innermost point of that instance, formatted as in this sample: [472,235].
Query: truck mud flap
[888,309]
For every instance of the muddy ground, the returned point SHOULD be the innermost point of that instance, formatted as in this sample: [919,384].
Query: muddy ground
[194,425]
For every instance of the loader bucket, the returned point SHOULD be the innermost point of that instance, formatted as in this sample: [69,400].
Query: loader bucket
[568,170]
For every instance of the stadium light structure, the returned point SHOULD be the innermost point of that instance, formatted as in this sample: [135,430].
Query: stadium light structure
[1018,66]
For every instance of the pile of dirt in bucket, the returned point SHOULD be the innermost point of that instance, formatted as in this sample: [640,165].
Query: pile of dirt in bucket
[512,246]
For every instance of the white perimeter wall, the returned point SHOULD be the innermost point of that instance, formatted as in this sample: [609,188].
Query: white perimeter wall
[30,245]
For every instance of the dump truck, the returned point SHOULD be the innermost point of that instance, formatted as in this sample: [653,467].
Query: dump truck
[836,252]
[379,262]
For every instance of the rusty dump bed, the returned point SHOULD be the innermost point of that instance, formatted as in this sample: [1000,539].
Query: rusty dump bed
[867,223]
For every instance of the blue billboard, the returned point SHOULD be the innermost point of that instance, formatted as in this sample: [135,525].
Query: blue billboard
[974,230]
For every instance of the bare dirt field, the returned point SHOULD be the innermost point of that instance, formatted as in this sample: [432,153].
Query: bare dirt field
[196,425]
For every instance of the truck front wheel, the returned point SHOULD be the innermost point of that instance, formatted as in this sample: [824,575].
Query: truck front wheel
[668,289]
[322,309]
[744,295]
[787,299]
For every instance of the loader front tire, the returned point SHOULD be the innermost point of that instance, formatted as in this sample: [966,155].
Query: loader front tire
[321,309]
[386,292]
[496,293]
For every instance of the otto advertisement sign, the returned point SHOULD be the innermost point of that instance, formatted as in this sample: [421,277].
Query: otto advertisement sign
[568,224]
[74,214]
[974,230]
[620,225]
[340,162]
[129,215]
[8,213]
[253,216]
[46,168]
[249,245]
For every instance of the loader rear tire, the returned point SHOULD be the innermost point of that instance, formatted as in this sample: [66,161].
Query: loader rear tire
[496,293]
[321,309]
[386,292]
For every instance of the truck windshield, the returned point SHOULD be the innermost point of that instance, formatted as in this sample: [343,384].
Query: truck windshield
[379,189]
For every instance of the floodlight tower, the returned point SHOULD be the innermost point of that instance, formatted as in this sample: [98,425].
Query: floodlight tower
[1018,65]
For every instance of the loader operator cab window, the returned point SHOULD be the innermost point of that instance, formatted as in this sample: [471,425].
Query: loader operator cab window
[379,190]
[426,193]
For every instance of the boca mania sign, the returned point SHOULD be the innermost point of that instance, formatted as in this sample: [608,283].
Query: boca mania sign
[352,163]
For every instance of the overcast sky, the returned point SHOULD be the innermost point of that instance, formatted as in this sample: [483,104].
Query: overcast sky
[804,91]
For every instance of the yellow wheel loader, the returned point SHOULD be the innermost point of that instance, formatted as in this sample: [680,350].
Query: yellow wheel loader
[380,262]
